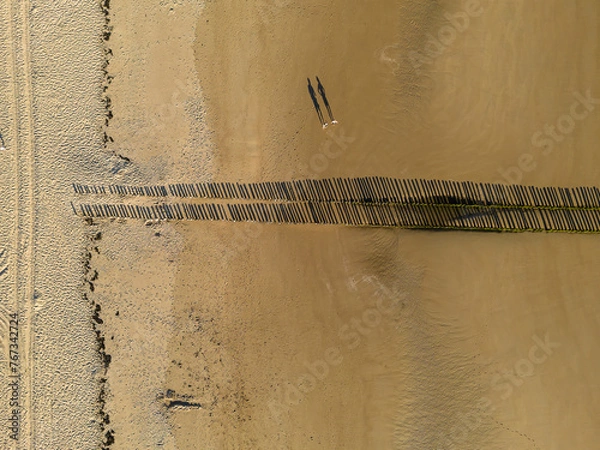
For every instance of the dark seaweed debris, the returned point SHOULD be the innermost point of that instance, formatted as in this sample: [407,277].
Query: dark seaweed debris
[91,275]
[108,53]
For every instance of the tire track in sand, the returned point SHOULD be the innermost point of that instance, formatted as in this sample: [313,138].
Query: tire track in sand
[24,208]
[4,334]
[4,312]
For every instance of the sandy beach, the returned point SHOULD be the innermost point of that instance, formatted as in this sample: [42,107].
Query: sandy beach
[51,117]
[461,362]
[216,335]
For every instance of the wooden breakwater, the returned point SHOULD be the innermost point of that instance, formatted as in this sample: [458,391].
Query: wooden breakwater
[440,217]
[370,190]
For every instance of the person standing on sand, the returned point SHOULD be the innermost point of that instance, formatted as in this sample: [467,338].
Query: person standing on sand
[313,96]
[321,90]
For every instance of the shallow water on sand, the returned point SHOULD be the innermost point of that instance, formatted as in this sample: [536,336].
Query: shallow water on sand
[285,334]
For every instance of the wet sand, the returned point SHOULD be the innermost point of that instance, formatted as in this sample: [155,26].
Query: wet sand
[331,337]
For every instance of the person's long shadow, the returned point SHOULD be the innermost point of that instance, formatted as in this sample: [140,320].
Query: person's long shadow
[313,96]
[321,90]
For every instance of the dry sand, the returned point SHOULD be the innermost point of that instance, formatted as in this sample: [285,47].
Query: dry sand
[51,116]
[249,336]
